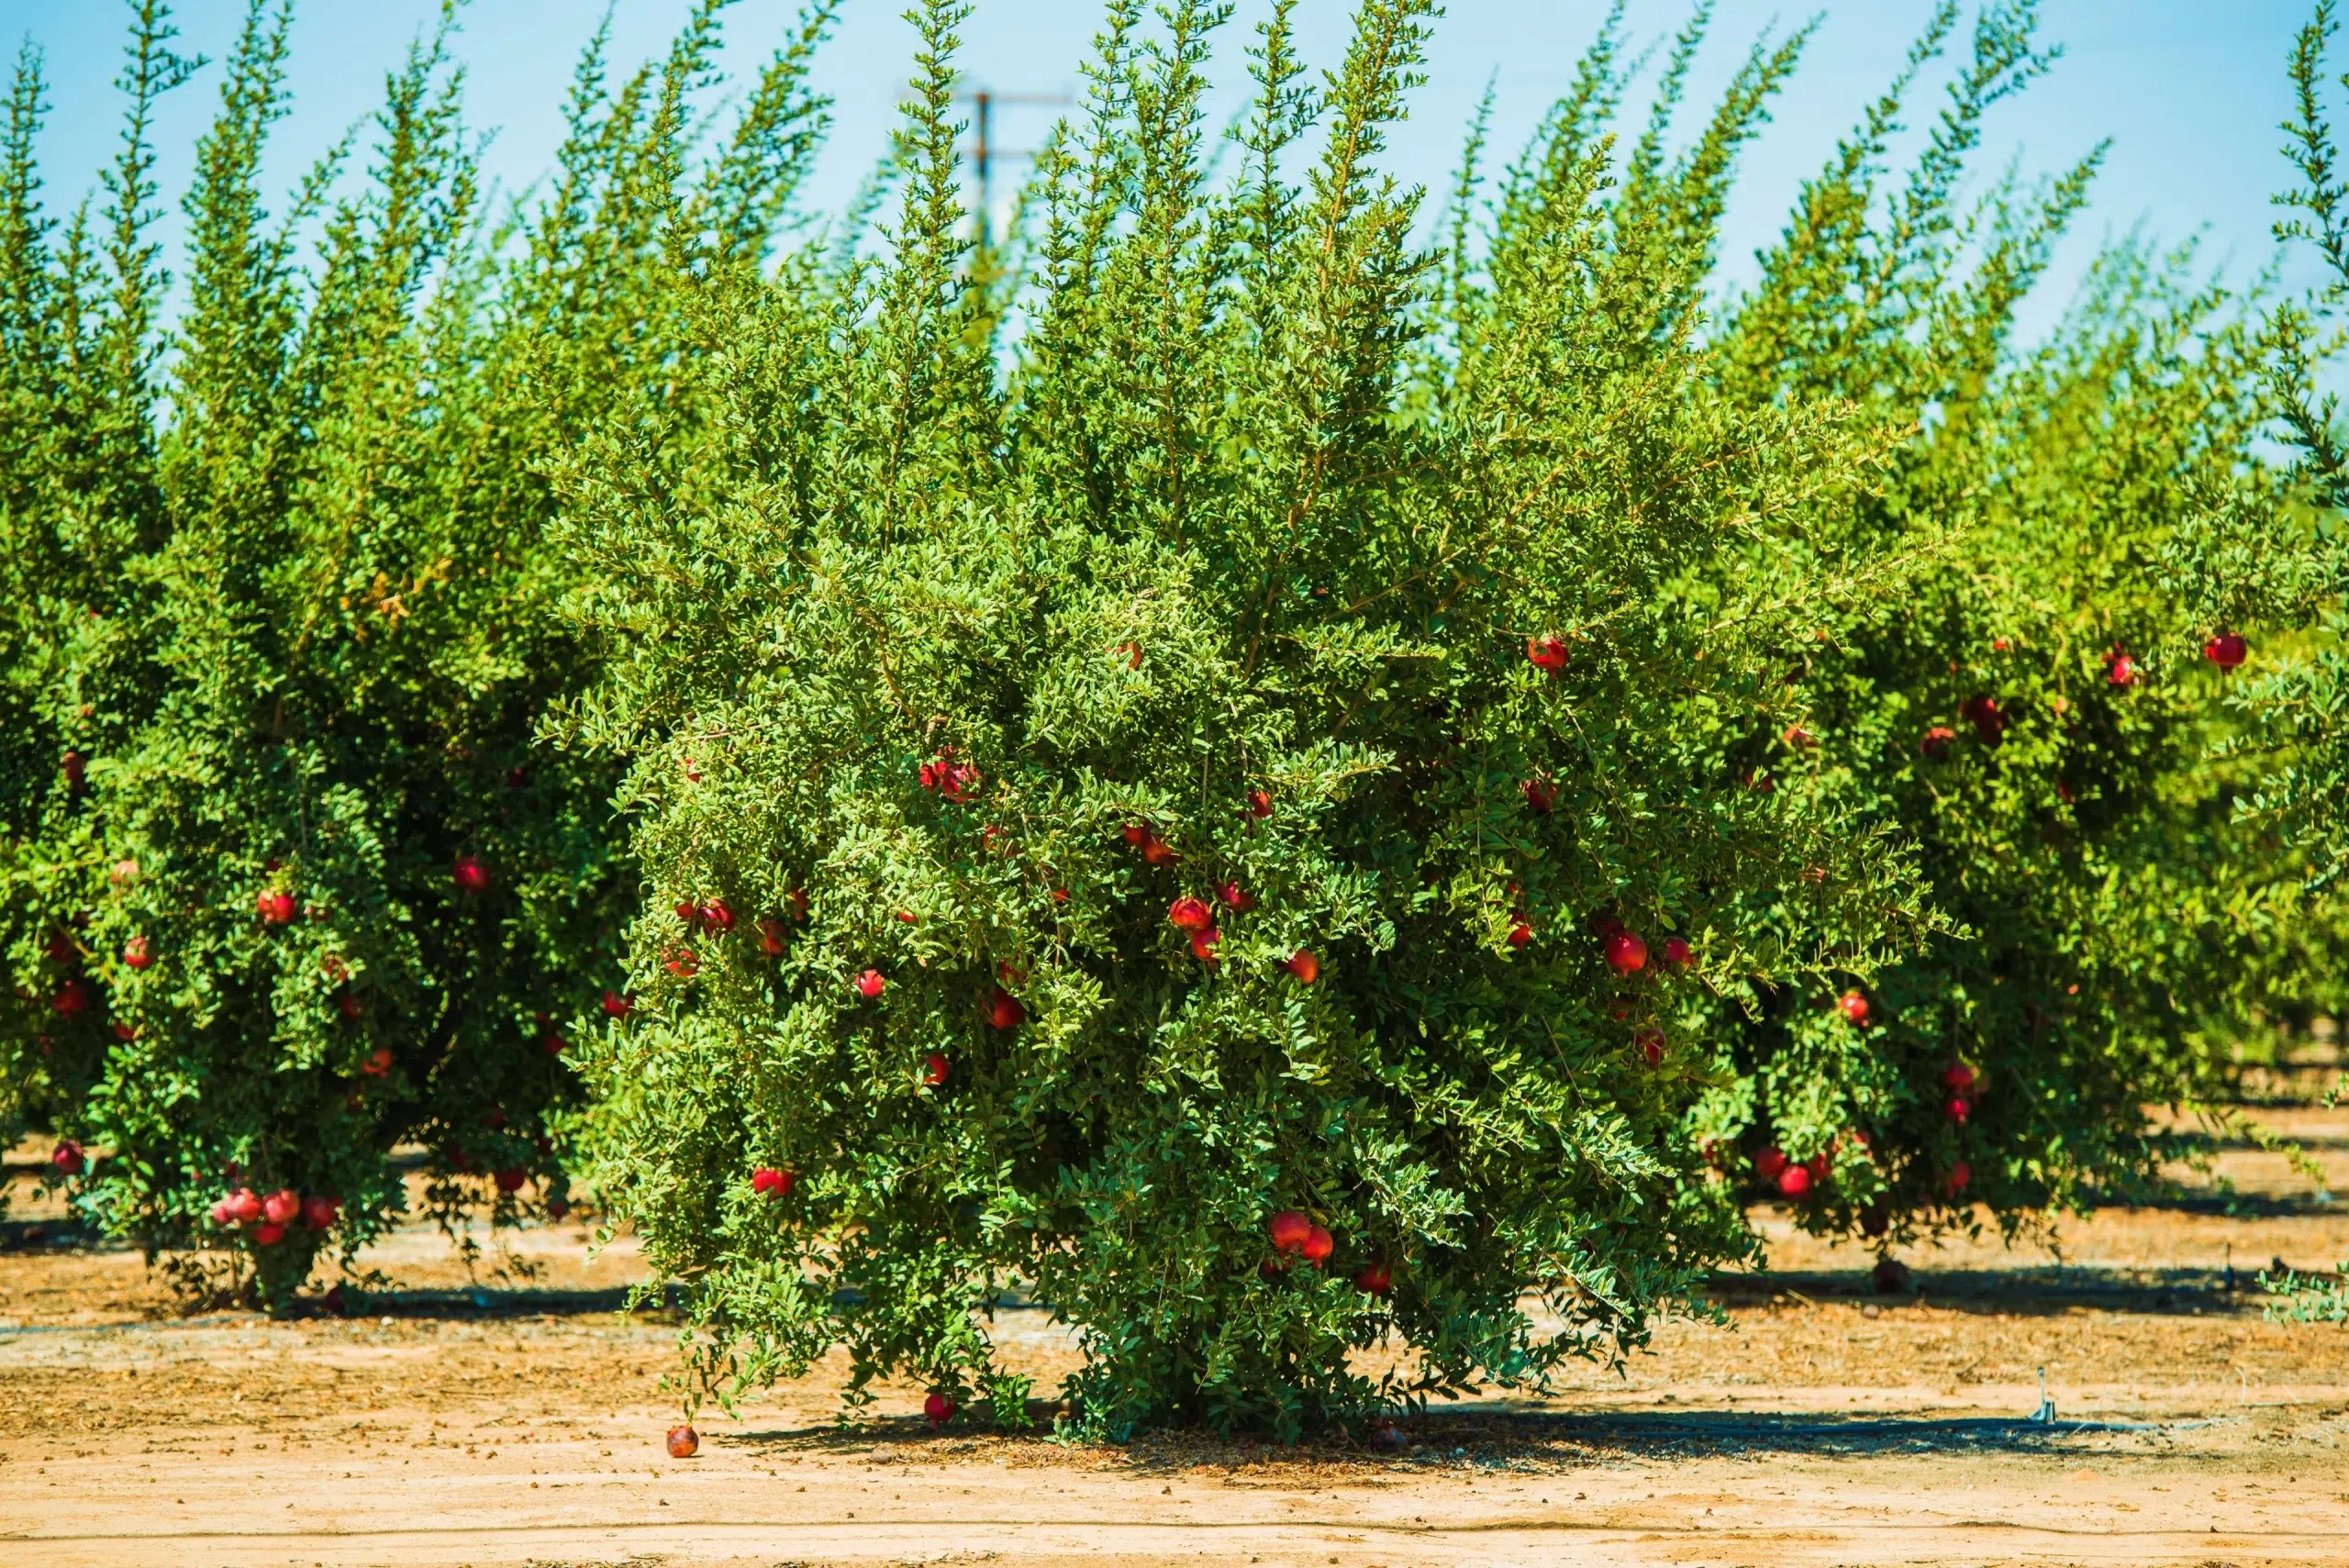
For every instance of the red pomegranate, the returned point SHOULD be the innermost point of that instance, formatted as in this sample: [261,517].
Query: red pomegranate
[2225,650]
[377,1063]
[242,1205]
[66,1159]
[870,985]
[1958,1078]
[1519,933]
[469,874]
[349,1006]
[137,952]
[1234,896]
[1799,739]
[1003,1010]
[1304,965]
[269,1235]
[1769,1162]
[1855,1008]
[933,1070]
[683,1443]
[1650,1044]
[1289,1230]
[71,997]
[552,1043]
[1547,654]
[282,1206]
[319,1210]
[1626,953]
[1159,852]
[1204,943]
[276,907]
[1189,914]
[769,1181]
[1676,952]
[1373,1279]
[773,936]
[716,916]
[1959,1108]
[616,1005]
[1139,833]
[1795,1181]
[2122,671]
[1539,796]
[1935,745]
[939,1409]
[1961,1177]
[1319,1245]
[1260,803]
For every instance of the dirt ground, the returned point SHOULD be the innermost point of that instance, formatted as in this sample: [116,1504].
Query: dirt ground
[1826,1425]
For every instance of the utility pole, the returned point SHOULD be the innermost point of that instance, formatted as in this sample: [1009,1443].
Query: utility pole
[984,151]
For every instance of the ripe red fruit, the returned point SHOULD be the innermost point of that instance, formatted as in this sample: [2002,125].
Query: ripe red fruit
[2225,650]
[1539,796]
[276,908]
[1139,833]
[244,1205]
[1799,739]
[1319,1245]
[66,1159]
[770,1181]
[1373,1279]
[1003,1010]
[1961,1177]
[1958,1078]
[682,964]
[1676,952]
[1260,803]
[349,1006]
[2000,644]
[376,1065]
[1650,1042]
[870,985]
[1290,1230]
[1203,944]
[1159,852]
[60,948]
[511,1178]
[686,912]
[939,1409]
[1304,965]
[71,997]
[1935,745]
[1189,914]
[1818,1165]
[1795,1181]
[797,899]
[469,874]
[683,1443]
[319,1210]
[1545,653]
[282,1206]
[220,1215]
[557,1208]
[906,917]
[1855,1008]
[1990,722]
[716,916]
[1626,954]
[1234,896]
[773,936]
[2122,672]
[269,1235]
[137,952]
[933,1070]
[616,1005]
[1959,1108]
[1769,1162]
[1521,933]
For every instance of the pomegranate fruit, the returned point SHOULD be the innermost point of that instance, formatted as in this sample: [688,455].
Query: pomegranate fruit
[769,1181]
[683,1443]
[1189,914]
[469,874]
[1290,1228]
[1304,965]
[1626,953]
[870,985]
[137,952]
[1547,654]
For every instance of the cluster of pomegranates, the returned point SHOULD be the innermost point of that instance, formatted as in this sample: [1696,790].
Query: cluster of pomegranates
[1296,1236]
[266,1219]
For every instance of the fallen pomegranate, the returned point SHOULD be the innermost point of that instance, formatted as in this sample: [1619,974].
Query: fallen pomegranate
[683,1443]
[939,1409]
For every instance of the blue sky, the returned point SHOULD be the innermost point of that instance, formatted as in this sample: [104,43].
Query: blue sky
[2190,91]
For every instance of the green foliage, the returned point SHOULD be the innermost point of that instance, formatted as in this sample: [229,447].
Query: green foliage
[2034,711]
[959,655]
[282,623]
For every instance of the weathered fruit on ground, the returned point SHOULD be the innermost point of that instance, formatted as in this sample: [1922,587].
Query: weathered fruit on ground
[683,1443]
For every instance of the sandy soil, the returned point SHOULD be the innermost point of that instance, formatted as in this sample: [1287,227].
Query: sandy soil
[487,1422]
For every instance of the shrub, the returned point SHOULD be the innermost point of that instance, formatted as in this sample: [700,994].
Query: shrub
[2040,719]
[1194,771]
[287,879]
